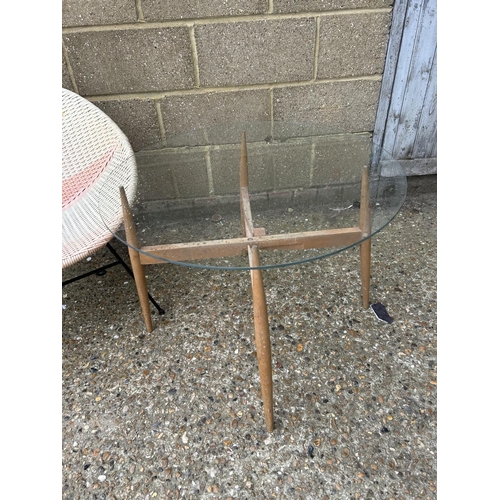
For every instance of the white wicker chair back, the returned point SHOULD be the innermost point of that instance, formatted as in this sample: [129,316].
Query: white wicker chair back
[97,159]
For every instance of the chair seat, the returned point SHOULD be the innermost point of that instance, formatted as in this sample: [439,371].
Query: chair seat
[97,159]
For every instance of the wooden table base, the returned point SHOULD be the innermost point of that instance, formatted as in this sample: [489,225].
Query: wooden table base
[253,239]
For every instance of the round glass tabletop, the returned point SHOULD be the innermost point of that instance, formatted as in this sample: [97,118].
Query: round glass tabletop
[299,192]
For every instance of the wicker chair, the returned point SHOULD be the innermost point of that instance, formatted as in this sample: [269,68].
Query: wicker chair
[95,155]
[96,160]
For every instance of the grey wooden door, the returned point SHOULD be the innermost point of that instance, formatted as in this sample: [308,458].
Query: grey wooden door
[406,123]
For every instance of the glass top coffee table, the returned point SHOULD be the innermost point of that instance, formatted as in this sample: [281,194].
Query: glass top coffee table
[254,196]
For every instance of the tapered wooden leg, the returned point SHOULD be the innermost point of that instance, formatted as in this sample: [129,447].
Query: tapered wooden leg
[365,226]
[365,271]
[243,177]
[137,267]
[262,339]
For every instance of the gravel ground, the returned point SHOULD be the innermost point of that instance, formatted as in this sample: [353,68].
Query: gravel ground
[176,413]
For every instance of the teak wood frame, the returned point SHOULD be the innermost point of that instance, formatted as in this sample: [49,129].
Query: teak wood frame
[253,240]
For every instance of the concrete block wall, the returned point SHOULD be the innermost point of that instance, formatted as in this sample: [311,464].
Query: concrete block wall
[159,68]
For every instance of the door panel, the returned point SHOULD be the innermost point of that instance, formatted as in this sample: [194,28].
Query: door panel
[406,123]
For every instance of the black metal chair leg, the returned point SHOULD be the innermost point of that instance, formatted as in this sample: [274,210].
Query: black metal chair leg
[102,270]
[129,270]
